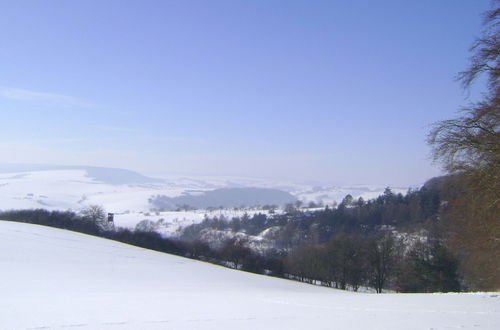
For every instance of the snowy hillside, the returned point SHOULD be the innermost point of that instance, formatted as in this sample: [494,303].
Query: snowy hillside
[53,279]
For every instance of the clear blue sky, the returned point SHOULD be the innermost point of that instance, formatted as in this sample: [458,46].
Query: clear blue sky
[332,91]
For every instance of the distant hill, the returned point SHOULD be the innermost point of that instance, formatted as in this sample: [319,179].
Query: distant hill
[107,175]
[225,197]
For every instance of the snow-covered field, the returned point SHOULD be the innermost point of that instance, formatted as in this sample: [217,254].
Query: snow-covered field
[56,279]
[173,221]
[126,193]
[73,189]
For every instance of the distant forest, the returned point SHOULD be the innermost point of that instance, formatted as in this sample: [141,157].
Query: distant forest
[415,209]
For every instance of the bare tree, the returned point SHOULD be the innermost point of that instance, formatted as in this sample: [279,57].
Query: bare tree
[97,215]
[147,226]
[382,257]
[469,146]
[235,250]
[470,143]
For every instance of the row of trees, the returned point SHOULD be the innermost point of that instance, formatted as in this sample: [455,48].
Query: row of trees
[93,222]
[378,261]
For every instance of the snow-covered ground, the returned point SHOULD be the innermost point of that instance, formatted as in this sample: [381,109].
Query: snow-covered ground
[170,222]
[56,279]
[74,188]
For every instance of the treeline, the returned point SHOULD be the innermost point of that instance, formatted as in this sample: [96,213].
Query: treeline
[87,225]
[377,260]
[347,261]
[233,253]
[417,208]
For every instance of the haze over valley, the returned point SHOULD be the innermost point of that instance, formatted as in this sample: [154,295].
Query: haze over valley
[133,197]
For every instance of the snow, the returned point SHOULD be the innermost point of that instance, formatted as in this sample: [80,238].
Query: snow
[73,189]
[69,189]
[335,194]
[171,222]
[54,279]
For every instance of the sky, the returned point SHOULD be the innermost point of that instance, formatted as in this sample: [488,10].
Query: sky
[307,91]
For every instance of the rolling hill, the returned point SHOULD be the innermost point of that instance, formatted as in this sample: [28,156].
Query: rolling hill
[53,279]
